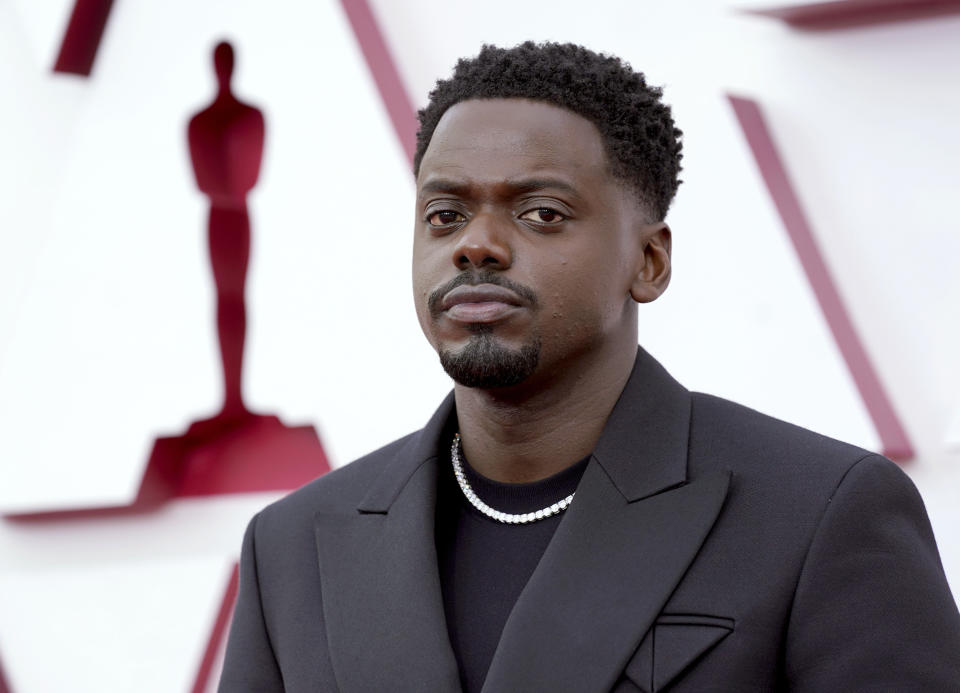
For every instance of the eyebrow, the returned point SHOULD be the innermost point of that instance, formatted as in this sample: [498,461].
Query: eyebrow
[516,186]
[444,185]
[533,184]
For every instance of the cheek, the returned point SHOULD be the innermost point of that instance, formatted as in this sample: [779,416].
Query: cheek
[587,297]
[421,274]
[421,292]
[425,277]
[573,304]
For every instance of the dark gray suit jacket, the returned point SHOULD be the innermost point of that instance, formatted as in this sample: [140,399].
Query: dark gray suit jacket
[709,548]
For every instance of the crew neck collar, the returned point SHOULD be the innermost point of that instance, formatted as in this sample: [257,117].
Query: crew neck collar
[525,497]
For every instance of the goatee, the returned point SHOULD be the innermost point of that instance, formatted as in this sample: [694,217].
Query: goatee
[486,363]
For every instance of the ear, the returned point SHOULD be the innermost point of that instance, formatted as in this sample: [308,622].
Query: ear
[652,274]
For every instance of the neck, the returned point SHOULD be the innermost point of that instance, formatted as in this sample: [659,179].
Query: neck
[531,432]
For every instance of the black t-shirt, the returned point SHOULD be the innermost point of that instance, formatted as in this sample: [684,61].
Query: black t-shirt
[485,564]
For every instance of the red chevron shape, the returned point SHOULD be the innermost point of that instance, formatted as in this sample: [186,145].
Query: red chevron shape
[383,68]
[82,37]
[847,14]
[218,632]
[893,436]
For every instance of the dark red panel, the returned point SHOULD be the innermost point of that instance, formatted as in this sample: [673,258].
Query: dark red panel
[893,436]
[218,632]
[4,687]
[384,71]
[82,38]
[844,14]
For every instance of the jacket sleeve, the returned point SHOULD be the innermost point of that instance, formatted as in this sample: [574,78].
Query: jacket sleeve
[872,609]
[250,664]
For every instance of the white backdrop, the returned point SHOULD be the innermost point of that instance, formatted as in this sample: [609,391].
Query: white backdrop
[106,315]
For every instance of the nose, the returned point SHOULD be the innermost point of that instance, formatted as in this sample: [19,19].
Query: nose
[483,243]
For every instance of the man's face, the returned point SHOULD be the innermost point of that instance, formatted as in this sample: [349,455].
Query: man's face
[525,247]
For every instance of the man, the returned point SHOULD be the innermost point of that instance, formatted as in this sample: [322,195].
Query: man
[571,518]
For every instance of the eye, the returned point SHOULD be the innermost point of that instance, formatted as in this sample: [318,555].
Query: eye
[445,217]
[543,215]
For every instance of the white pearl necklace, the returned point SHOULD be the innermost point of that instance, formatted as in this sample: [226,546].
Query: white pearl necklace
[507,518]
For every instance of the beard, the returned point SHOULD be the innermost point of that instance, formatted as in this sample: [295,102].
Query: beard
[485,363]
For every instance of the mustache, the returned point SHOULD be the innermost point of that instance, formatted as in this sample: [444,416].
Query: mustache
[473,278]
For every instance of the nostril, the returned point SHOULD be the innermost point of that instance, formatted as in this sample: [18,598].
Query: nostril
[483,261]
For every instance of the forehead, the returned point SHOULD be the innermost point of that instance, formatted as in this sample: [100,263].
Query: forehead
[501,139]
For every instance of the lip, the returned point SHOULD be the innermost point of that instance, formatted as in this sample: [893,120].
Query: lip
[480,293]
[483,303]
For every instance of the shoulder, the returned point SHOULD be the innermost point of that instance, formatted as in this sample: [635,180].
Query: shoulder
[766,452]
[792,490]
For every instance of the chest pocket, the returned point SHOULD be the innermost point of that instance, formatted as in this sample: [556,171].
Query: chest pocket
[675,643]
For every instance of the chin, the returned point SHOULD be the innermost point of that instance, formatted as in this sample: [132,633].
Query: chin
[485,362]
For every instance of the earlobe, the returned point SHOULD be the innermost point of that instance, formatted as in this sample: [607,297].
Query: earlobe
[652,274]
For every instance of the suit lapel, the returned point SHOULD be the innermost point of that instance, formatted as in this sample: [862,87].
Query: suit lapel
[600,585]
[382,604]
[634,527]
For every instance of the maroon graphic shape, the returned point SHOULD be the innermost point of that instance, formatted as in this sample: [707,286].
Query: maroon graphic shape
[845,14]
[235,451]
[385,75]
[4,687]
[202,680]
[893,436]
[82,38]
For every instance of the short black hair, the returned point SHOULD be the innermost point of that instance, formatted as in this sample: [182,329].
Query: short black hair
[642,142]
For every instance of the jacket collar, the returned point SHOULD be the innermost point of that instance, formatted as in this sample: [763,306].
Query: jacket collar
[635,526]
[420,448]
[643,447]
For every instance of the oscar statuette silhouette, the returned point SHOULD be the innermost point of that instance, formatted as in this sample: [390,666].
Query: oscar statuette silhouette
[226,148]
[236,450]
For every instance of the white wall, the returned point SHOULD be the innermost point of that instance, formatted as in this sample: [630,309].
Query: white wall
[106,336]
